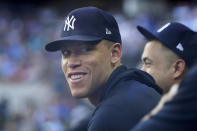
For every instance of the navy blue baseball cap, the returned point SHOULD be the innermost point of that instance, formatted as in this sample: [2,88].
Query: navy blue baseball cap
[89,25]
[177,37]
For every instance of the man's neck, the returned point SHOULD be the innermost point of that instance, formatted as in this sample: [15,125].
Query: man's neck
[94,100]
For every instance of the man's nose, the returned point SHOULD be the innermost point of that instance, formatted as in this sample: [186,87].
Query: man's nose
[74,61]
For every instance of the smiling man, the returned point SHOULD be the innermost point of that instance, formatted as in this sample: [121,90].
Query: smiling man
[88,66]
[157,60]
[91,61]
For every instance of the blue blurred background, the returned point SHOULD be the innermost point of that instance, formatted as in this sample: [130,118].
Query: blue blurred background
[34,95]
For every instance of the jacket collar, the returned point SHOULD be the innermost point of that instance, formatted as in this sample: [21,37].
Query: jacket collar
[122,73]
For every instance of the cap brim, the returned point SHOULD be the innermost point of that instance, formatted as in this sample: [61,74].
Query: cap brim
[147,34]
[58,44]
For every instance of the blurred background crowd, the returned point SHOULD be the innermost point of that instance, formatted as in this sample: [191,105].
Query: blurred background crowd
[33,92]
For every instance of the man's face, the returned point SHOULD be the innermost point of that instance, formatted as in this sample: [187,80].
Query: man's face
[86,67]
[156,64]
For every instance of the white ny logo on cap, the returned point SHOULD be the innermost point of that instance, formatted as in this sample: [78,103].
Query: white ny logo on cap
[69,23]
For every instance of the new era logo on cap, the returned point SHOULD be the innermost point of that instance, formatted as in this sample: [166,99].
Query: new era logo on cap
[180,47]
[107,31]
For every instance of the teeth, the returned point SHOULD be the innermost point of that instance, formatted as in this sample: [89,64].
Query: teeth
[76,76]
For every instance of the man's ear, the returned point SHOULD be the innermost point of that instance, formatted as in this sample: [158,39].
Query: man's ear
[179,68]
[116,53]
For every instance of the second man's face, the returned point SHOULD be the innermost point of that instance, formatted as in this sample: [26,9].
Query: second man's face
[86,67]
[155,63]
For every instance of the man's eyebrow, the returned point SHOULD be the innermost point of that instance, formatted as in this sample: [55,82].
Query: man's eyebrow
[91,46]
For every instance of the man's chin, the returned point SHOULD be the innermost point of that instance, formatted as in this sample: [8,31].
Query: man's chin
[78,95]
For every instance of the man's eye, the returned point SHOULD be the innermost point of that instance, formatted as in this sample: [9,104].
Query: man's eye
[147,63]
[84,50]
[65,53]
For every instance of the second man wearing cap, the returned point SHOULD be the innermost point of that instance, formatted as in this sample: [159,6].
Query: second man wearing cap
[177,108]
[169,53]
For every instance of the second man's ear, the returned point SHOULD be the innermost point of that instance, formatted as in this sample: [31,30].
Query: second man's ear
[179,68]
[116,53]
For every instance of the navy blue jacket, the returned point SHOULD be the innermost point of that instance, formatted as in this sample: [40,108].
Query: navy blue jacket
[179,114]
[127,96]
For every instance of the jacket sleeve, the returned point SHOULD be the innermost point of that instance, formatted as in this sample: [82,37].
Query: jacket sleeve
[180,113]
